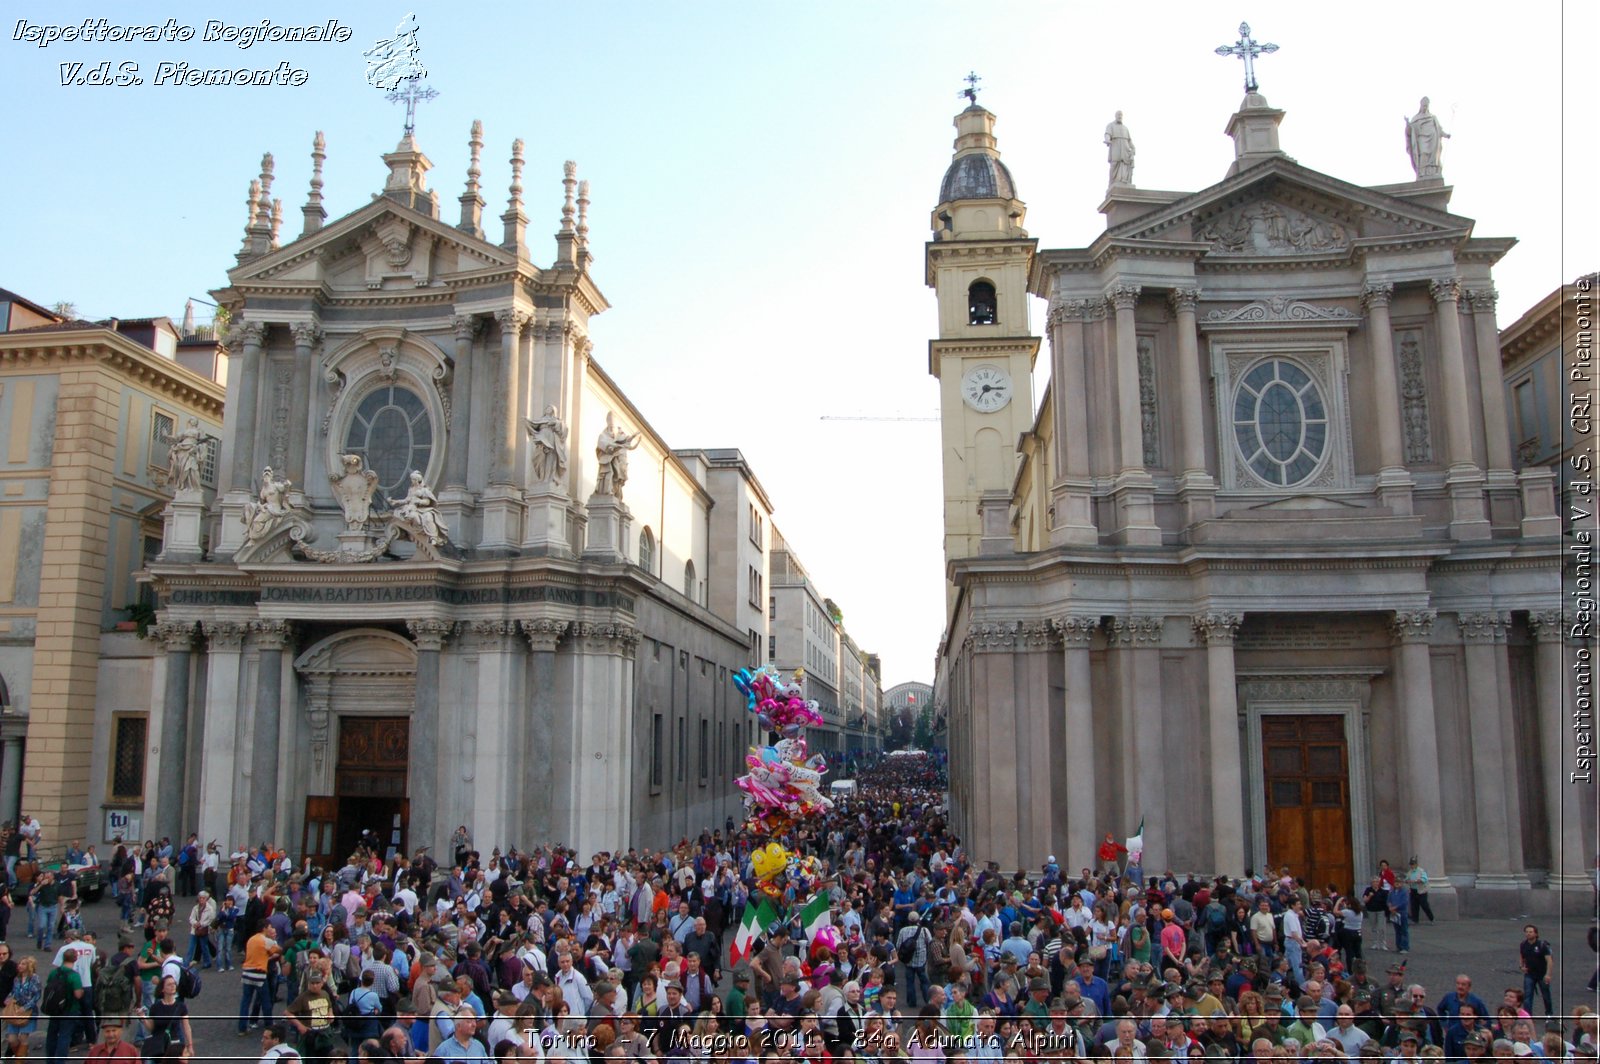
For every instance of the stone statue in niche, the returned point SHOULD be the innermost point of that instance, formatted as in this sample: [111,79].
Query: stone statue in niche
[262,517]
[1119,145]
[549,434]
[184,455]
[611,458]
[417,515]
[353,487]
[1425,139]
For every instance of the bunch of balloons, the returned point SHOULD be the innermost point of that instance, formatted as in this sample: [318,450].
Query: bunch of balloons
[782,787]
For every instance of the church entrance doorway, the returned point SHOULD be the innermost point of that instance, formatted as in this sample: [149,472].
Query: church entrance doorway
[370,783]
[1305,767]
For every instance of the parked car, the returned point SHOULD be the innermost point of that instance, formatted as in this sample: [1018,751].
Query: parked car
[88,883]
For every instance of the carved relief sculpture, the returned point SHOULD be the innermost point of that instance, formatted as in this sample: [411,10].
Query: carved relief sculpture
[549,434]
[611,458]
[1149,419]
[1268,228]
[1414,401]
[184,457]
[353,487]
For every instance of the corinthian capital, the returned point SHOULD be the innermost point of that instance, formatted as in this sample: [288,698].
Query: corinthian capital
[1218,629]
[543,633]
[1413,626]
[225,635]
[306,334]
[512,322]
[1377,295]
[1184,300]
[272,635]
[249,333]
[429,633]
[1445,289]
[1135,631]
[1546,625]
[1483,627]
[1482,299]
[175,635]
[1075,629]
[466,326]
[1123,296]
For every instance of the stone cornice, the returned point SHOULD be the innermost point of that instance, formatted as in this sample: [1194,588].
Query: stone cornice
[35,351]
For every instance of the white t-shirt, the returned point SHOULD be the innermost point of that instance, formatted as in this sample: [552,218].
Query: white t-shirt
[84,963]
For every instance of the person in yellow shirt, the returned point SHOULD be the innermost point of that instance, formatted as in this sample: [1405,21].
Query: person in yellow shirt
[255,1006]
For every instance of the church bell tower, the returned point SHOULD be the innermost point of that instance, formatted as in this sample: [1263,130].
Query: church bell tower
[978,264]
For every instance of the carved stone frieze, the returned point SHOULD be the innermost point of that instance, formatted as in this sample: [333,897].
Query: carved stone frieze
[1414,398]
[1413,626]
[1267,228]
[1315,687]
[278,441]
[1149,414]
[1282,309]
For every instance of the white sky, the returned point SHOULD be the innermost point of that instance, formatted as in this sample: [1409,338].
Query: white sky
[763,177]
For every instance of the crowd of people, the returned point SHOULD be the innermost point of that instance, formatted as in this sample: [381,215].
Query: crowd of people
[625,956]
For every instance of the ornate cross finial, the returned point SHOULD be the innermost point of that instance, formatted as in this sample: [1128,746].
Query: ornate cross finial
[1247,49]
[971,91]
[412,94]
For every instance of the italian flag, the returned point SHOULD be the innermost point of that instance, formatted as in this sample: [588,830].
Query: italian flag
[815,915]
[757,915]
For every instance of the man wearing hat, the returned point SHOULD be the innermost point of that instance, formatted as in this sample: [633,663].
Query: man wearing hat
[1092,987]
[677,1016]
[1037,1009]
[111,1046]
[736,1003]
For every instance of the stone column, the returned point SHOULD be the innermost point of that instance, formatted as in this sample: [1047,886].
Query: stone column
[306,337]
[1076,631]
[218,771]
[1493,771]
[177,638]
[508,422]
[265,755]
[1130,451]
[1070,494]
[1468,518]
[600,781]
[544,636]
[1420,737]
[1496,433]
[242,476]
[1564,800]
[1138,643]
[1222,714]
[1197,487]
[1394,482]
[457,446]
[423,786]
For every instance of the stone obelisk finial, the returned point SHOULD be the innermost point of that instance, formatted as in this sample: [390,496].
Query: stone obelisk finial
[313,211]
[472,198]
[516,221]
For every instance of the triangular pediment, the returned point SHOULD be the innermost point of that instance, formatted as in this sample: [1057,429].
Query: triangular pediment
[381,246]
[1280,208]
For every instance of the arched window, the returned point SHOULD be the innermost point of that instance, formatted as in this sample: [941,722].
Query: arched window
[981,304]
[647,550]
[688,579]
[392,430]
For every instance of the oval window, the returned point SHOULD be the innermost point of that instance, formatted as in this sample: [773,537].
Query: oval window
[1280,423]
[392,430]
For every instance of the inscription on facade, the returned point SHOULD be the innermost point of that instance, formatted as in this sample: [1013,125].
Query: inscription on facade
[1307,635]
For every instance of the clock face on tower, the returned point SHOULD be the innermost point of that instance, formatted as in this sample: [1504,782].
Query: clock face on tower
[986,388]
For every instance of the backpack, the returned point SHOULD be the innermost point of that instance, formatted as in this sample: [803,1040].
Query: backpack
[188,983]
[114,990]
[57,995]
[1216,916]
[906,951]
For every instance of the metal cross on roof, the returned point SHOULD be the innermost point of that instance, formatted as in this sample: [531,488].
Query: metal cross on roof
[1247,49]
[971,91]
[412,94]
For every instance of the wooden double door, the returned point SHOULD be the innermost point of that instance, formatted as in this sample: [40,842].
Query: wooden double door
[1306,770]
[369,792]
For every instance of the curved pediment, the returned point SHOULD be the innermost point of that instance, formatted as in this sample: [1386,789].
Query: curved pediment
[360,652]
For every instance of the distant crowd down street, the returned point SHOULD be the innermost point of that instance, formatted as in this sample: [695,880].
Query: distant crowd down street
[879,941]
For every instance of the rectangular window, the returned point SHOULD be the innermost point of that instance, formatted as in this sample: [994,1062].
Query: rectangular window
[128,739]
[705,751]
[1527,411]
[772,647]
[772,607]
[657,741]
[161,429]
[683,749]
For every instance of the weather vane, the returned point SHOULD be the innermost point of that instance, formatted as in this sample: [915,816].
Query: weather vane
[394,61]
[971,91]
[1247,49]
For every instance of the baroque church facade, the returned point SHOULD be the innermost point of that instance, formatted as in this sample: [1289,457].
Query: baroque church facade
[1256,569]
[426,592]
